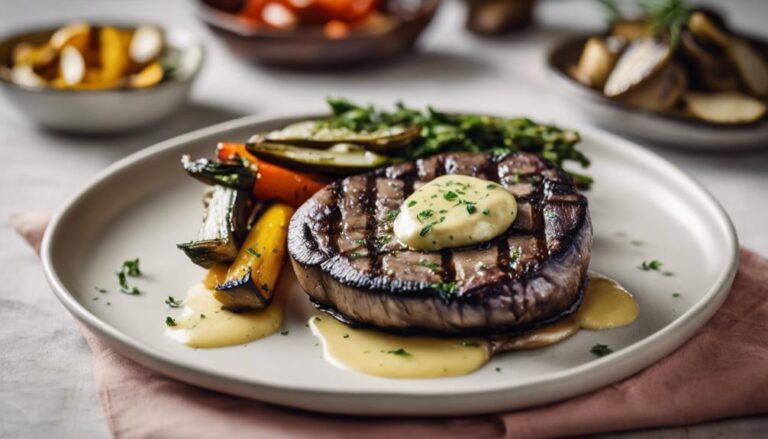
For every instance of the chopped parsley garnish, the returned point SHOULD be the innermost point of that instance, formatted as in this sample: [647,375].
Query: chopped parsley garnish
[600,350]
[346,335]
[202,316]
[383,240]
[131,267]
[424,214]
[492,186]
[425,230]
[675,294]
[101,290]
[286,332]
[651,265]
[169,321]
[443,211]
[470,343]
[654,265]
[172,302]
[445,289]
[471,208]
[253,252]
[498,369]
[450,195]
[355,255]
[402,352]
[359,241]
[411,203]
[431,265]
[391,215]
[121,280]
[514,255]
[486,211]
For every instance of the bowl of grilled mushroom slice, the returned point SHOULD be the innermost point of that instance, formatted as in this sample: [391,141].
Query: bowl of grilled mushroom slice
[677,76]
[99,77]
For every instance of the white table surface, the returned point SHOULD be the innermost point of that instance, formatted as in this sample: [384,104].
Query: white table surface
[46,386]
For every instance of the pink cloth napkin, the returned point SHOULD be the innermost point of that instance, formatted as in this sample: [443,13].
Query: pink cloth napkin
[721,372]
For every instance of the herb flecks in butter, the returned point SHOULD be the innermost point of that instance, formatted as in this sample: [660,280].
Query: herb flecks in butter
[454,211]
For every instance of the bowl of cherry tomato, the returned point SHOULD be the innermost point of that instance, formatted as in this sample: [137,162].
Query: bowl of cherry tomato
[318,33]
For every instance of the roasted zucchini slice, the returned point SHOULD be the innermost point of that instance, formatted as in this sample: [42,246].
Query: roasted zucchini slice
[335,161]
[316,134]
[225,225]
[251,279]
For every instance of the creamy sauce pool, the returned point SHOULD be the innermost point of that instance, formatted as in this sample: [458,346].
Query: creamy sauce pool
[606,305]
[203,324]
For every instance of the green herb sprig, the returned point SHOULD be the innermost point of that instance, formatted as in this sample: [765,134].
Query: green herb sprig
[444,132]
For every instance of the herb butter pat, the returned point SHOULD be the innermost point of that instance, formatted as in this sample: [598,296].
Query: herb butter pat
[454,211]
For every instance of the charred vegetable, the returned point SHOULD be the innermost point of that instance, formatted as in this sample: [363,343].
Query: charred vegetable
[661,92]
[751,65]
[320,134]
[251,279]
[224,227]
[233,175]
[273,182]
[328,161]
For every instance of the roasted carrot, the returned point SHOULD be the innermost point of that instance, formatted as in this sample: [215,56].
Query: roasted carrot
[274,182]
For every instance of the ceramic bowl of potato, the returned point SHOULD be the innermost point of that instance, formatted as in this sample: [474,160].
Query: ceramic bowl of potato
[97,77]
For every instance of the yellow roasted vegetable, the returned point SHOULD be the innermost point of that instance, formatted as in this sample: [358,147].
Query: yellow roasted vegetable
[251,279]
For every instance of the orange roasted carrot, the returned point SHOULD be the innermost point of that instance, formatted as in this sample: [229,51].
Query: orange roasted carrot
[274,182]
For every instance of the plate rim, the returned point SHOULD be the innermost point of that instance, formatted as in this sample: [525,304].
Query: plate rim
[684,326]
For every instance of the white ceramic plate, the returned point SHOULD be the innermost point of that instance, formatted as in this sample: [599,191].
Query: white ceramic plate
[677,131]
[145,204]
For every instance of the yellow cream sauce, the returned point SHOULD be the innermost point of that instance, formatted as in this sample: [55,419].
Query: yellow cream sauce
[606,305]
[204,324]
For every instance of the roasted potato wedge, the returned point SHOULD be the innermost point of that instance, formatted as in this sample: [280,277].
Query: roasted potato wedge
[596,62]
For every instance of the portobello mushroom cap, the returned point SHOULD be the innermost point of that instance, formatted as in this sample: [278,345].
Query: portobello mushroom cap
[345,258]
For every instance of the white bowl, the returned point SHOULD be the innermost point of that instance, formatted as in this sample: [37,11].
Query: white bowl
[106,111]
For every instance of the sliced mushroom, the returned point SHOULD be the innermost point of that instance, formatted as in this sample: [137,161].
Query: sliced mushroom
[595,64]
[661,92]
[750,64]
[708,69]
[725,108]
[643,58]
[704,27]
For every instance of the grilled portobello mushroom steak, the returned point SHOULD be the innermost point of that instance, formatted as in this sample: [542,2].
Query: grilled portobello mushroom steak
[346,258]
